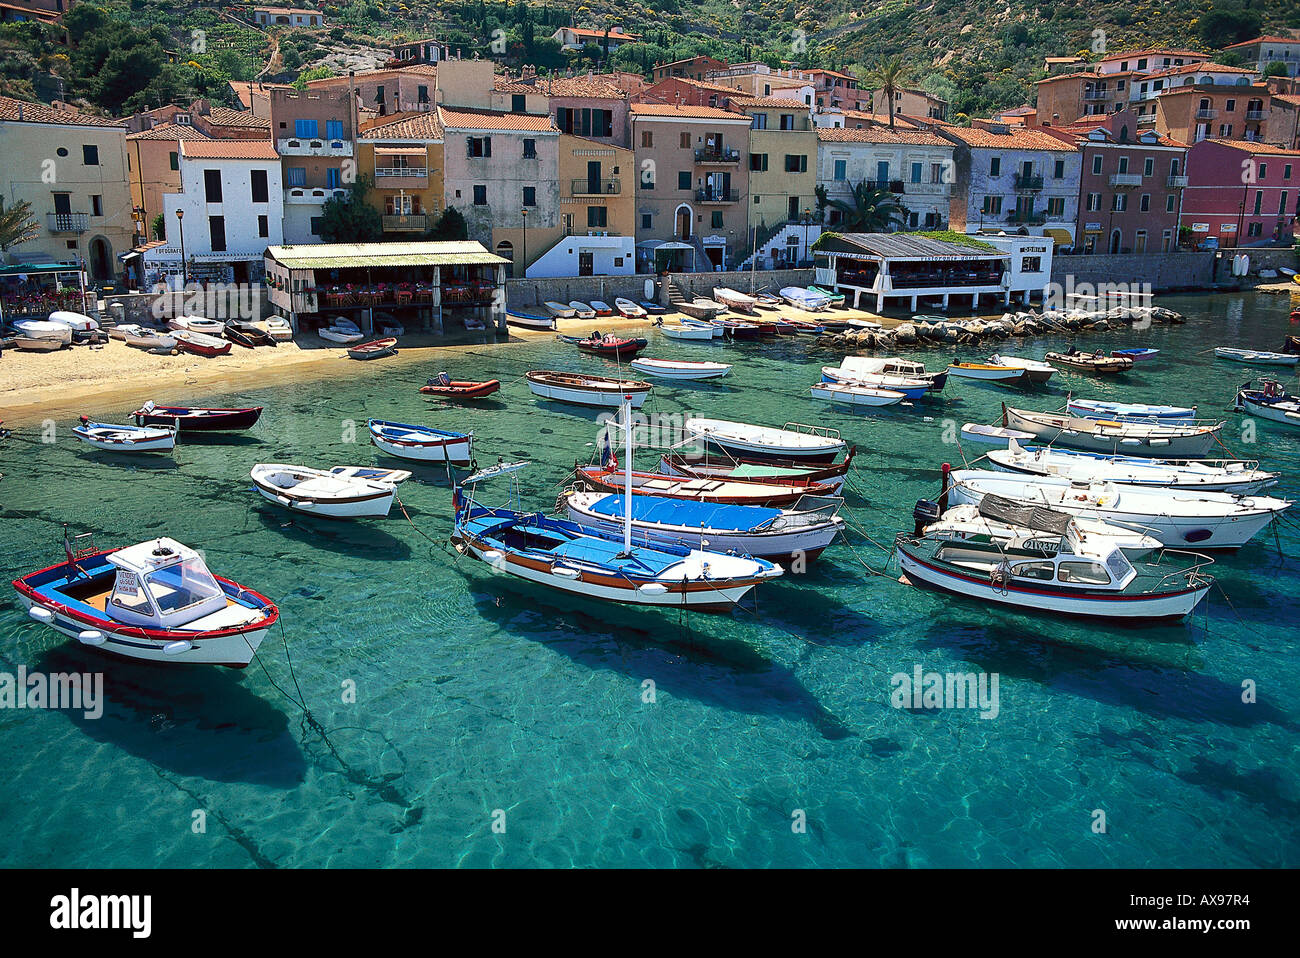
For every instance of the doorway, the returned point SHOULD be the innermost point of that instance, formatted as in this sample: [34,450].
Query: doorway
[101,263]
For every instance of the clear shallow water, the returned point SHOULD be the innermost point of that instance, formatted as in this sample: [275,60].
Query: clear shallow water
[475,693]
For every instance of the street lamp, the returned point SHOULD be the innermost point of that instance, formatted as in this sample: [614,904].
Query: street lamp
[180,224]
[523,270]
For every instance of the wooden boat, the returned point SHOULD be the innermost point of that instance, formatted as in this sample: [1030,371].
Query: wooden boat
[246,334]
[1291,344]
[1115,437]
[1255,357]
[701,308]
[911,388]
[116,438]
[733,299]
[861,369]
[28,345]
[1137,355]
[278,328]
[804,328]
[154,601]
[736,329]
[1035,372]
[834,298]
[793,441]
[122,330]
[559,310]
[197,324]
[629,309]
[77,322]
[197,419]
[768,301]
[422,443]
[1090,362]
[866,324]
[43,329]
[375,349]
[698,333]
[679,369]
[928,318]
[652,308]
[344,492]
[711,465]
[581,310]
[519,318]
[447,388]
[200,344]
[855,395]
[584,389]
[148,339]
[607,345]
[986,372]
[344,335]
[1268,400]
[1134,412]
[602,308]
[805,299]
[772,492]
[1239,476]
[998,436]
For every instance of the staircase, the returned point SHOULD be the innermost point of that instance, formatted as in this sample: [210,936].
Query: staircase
[776,238]
[675,297]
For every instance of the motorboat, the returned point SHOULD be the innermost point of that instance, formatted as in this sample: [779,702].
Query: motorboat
[1090,362]
[197,418]
[1036,372]
[421,443]
[344,492]
[1240,476]
[116,438]
[447,388]
[1116,437]
[711,465]
[1134,412]
[851,394]
[986,372]
[200,344]
[770,492]
[610,345]
[1268,400]
[77,322]
[679,368]
[997,436]
[910,387]
[792,441]
[585,389]
[859,368]
[1256,357]
[998,519]
[1138,355]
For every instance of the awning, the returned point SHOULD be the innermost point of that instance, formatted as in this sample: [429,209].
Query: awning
[674,245]
[401,150]
[1059,236]
[37,269]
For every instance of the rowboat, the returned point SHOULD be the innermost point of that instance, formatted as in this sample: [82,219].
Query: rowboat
[148,339]
[376,349]
[584,389]
[248,335]
[733,299]
[43,329]
[699,333]
[986,372]
[1268,400]
[1091,362]
[155,601]
[515,317]
[679,369]
[421,443]
[1115,436]
[803,328]
[856,395]
[629,309]
[793,441]
[1051,567]
[711,324]
[998,436]
[702,308]
[278,328]
[736,329]
[28,345]
[389,326]
[342,334]
[602,308]
[607,345]
[768,301]
[1137,355]
[200,344]
[559,310]
[581,310]
[448,388]
[197,419]
[805,299]
[833,297]
[707,465]
[1239,476]
[344,492]
[773,492]
[128,438]
[197,324]
[1138,412]
[122,330]
[1001,520]
[863,324]
[860,368]
[1177,517]
[1036,372]
[1256,357]
[654,309]
[768,533]
[929,318]
[910,387]
[77,322]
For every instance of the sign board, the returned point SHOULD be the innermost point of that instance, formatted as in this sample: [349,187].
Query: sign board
[1200,227]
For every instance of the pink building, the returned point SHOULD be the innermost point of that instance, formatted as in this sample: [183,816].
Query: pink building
[1241,193]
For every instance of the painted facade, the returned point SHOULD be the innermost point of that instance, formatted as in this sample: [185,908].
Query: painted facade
[1240,193]
[916,166]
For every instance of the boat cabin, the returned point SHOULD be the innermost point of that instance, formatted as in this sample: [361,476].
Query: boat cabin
[1072,564]
[162,584]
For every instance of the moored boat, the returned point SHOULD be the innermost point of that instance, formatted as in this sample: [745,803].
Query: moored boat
[1138,355]
[447,388]
[1117,437]
[197,418]
[734,299]
[375,349]
[148,339]
[1090,362]
[43,329]
[581,310]
[997,519]
[862,368]
[679,369]
[1256,357]
[77,322]
[697,333]
[344,492]
[853,394]
[770,492]
[278,328]
[702,308]
[997,436]
[247,334]
[128,438]
[1136,412]
[197,324]
[1036,371]
[805,299]
[337,332]
[653,308]
[608,345]
[602,308]
[421,443]
[559,310]
[792,441]
[1240,476]
[834,298]
[1268,400]
[986,372]
[711,465]
[584,389]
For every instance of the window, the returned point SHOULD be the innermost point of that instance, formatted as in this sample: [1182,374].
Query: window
[1056,207]
[596,217]
[1145,204]
[647,138]
[1119,203]
[307,129]
[995,166]
[715,220]
[1088,573]
[1149,166]
[315,226]
[1229,106]
[1253,229]
[758,162]
[1259,201]
[683,179]
[1263,171]
[1281,204]
[992,205]
[530,149]
[174,161]
[263,226]
[787,121]
[90,155]
[1169,203]
[1123,164]
[334,129]
[332,177]
[96,205]
[297,176]
[212,185]
[841,170]
[530,196]
[480,196]
[1033,570]
[916,172]
[796,163]
[257,180]
[422,94]
[518,103]
[1058,170]
[685,141]
[759,122]
[646,220]
[1286,172]
[1096,165]
[217,233]
[479,146]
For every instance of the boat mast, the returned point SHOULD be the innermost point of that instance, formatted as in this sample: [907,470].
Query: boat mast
[627,475]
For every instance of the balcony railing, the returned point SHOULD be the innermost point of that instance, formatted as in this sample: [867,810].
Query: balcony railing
[406,222]
[313,146]
[1255,114]
[717,196]
[717,155]
[586,187]
[412,172]
[1126,179]
[1174,181]
[1100,94]
[1034,181]
[1027,219]
[66,222]
[888,186]
[1205,113]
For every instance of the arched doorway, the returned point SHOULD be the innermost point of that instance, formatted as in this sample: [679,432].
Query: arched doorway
[506,250]
[1114,241]
[683,223]
[100,256]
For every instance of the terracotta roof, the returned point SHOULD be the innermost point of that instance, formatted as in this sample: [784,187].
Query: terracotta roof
[772,101]
[420,126]
[670,110]
[862,116]
[1293,99]
[465,119]
[169,131]
[877,134]
[1258,149]
[1016,138]
[505,84]
[24,112]
[1151,53]
[229,149]
[706,85]
[224,116]
[593,86]
[1200,68]
[1274,39]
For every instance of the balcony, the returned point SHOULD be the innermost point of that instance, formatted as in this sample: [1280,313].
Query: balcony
[1205,113]
[1100,94]
[310,194]
[717,155]
[398,177]
[1175,182]
[406,223]
[717,196]
[66,222]
[312,146]
[1256,114]
[888,186]
[1034,181]
[1026,218]
[586,187]
[1125,180]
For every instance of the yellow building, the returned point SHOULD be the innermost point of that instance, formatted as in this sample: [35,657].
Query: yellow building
[404,158]
[782,161]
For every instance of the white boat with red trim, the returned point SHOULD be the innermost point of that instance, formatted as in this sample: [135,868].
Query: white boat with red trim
[115,438]
[344,492]
[421,443]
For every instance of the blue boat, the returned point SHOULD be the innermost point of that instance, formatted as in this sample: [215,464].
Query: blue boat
[529,320]
[1135,354]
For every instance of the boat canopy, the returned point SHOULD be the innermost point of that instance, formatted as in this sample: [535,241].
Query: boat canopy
[676,512]
[1037,518]
[162,584]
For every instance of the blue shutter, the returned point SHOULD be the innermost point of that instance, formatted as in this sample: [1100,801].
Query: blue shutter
[334,129]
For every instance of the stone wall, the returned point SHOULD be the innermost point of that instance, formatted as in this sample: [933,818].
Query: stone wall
[1165,271]
[248,302]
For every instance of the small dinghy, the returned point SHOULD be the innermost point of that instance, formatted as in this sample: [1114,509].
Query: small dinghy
[711,465]
[375,349]
[772,492]
[1137,355]
[733,299]
[1135,412]
[1036,372]
[200,344]
[768,301]
[1091,362]
[197,419]
[855,395]
[344,492]
[986,372]
[28,345]
[697,333]
[197,324]
[523,320]
[997,436]
[702,308]
[559,310]
[43,329]
[1115,436]
[1255,357]
[583,389]
[629,309]
[421,443]
[602,308]
[735,329]
[792,441]
[447,388]
[1239,476]
[246,334]
[833,297]
[581,310]
[805,299]
[154,601]
[151,340]
[103,435]
[342,330]
[77,322]
[607,345]
[278,328]
[652,308]
[1269,400]
[679,369]
[910,388]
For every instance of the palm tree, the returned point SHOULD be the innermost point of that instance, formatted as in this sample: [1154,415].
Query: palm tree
[887,76]
[17,225]
[868,210]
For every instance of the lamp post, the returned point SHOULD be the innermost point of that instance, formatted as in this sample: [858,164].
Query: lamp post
[180,224]
[806,219]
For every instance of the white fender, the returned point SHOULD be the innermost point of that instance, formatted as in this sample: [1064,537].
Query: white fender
[41,614]
[177,647]
[92,637]
[652,588]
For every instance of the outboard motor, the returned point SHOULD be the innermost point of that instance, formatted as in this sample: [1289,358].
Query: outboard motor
[927,511]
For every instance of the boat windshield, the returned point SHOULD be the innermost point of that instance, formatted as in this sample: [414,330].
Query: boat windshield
[181,585]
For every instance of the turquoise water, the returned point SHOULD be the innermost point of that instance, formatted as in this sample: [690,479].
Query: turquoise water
[475,693]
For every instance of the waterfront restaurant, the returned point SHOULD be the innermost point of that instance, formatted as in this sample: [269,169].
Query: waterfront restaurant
[881,267]
[420,285]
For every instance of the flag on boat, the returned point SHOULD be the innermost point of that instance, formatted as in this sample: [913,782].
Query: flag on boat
[608,458]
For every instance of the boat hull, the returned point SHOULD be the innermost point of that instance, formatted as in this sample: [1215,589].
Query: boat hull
[681,370]
[1193,446]
[224,420]
[371,506]
[612,397]
[1268,411]
[808,544]
[457,450]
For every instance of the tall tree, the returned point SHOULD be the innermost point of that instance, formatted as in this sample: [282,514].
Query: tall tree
[887,77]
[868,210]
[350,219]
[17,225]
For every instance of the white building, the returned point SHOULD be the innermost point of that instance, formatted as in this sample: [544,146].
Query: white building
[604,255]
[575,38]
[916,166]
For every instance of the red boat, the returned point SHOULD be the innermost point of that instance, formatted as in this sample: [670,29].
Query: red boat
[713,466]
[771,492]
[374,349]
[197,419]
[199,344]
[607,345]
[452,389]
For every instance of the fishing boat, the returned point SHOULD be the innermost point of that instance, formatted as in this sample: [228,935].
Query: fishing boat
[910,387]
[1114,436]
[43,329]
[77,322]
[421,443]
[792,441]
[155,601]
[733,299]
[447,388]
[200,344]
[1090,362]
[584,389]
[736,329]
[581,310]
[863,368]
[1254,357]
[711,465]
[196,418]
[800,532]
[997,436]
[770,492]
[1177,517]
[997,519]
[197,324]
[559,310]
[344,492]
[768,301]
[337,332]
[1036,372]
[1239,476]
[1268,400]
[834,298]
[278,328]
[695,333]
[248,335]
[986,372]
[629,309]
[1135,412]
[850,394]
[679,368]
[115,438]
[149,339]
[515,317]
[702,308]
[802,327]
[805,299]
[607,345]
[1050,567]
[375,349]
[1138,355]
[602,308]
[653,308]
